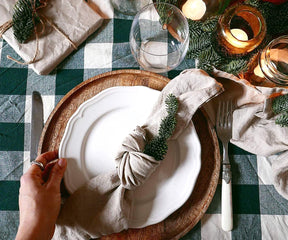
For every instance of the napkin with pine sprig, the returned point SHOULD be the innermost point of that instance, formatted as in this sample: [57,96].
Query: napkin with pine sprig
[103,205]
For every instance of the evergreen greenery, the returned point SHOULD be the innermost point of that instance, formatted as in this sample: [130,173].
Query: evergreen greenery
[204,47]
[276,16]
[24,19]
[282,120]
[280,106]
[165,18]
[158,147]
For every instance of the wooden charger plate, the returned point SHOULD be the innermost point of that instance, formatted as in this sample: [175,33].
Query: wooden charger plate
[185,218]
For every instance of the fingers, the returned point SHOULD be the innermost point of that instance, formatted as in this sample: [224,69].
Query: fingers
[47,170]
[56,174]
[44,159]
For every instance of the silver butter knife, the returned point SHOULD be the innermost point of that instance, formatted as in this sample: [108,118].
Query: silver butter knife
[36,124]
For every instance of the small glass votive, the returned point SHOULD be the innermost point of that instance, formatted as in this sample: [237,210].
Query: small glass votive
[240,30]
[273,61]
[159,37]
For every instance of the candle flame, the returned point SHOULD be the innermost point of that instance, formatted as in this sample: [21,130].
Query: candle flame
[233,38]
[239,34]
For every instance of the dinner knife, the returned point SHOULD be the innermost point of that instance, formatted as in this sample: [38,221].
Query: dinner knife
[36,124]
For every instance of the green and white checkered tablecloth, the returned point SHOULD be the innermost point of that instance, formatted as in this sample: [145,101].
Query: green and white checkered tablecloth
[259,211]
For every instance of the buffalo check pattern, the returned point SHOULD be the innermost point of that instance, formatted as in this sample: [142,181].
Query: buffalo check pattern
[259,211]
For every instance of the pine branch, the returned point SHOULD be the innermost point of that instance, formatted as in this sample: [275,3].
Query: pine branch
[195,30]
[253,3]
[234,66]
[163,11]
[173,2]
[210,24]
[158,147]
[200,43]
[208,59]
[280,104]
[282,119]
[24,19]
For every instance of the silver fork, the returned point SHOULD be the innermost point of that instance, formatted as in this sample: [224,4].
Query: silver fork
[224,132]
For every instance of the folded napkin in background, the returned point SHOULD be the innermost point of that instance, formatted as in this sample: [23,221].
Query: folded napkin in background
[104,204]
[254,128]
[73,17]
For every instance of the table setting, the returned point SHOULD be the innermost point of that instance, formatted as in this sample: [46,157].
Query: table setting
[172,115]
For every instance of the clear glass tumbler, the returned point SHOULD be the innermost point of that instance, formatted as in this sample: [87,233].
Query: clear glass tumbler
[159,37]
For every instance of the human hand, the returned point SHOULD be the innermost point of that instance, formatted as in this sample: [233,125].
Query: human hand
[40,198]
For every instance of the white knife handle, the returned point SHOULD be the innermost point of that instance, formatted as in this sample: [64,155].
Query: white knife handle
[227,208]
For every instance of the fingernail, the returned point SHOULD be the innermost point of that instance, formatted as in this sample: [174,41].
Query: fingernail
[62,162]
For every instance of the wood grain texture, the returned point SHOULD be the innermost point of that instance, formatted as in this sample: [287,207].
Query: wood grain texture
[186,217]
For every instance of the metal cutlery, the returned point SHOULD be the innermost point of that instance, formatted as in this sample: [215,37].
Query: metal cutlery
[36,124]
[224,132]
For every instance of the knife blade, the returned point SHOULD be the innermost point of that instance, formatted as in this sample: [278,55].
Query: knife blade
[36,123]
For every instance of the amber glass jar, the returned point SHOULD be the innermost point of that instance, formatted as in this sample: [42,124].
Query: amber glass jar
[273,61]
[240,29]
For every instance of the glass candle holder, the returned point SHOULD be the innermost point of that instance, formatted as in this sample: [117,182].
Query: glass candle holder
[240,29]
[273,61]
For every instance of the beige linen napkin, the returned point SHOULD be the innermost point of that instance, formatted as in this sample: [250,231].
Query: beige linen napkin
[103,205]
[73,17]
[254,128]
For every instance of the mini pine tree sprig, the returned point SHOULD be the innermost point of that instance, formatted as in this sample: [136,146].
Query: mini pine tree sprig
[158,147]
[282,120]
[25,18]
[280,106]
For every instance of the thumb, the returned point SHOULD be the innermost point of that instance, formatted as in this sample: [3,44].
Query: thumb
[56,174]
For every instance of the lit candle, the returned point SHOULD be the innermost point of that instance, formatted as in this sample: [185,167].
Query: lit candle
[194,9]
[234,38]
[239,34]
[237,37]
[230,34]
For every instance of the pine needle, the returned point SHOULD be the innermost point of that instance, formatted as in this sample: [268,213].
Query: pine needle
[158,146]
[24,19]
[282,119]
[280,104]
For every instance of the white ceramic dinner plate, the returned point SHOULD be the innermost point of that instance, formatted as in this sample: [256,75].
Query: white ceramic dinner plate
[94,133]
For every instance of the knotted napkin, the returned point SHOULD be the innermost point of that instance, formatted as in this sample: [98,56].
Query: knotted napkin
[254,128]
[104,204]
[74,20]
